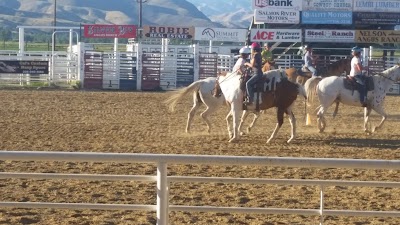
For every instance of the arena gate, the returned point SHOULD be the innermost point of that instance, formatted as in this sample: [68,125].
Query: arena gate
[110,70]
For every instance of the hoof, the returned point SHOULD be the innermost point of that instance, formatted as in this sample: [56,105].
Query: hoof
[269,141]
[290,140]
[233,140]
[242,133]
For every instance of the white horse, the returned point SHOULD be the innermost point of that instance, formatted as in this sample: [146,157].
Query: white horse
[282,98]
[202,91]
[331,89]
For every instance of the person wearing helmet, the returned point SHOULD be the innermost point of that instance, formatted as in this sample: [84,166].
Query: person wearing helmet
[239,67]
[256,65]
[266,55]
[356,73]
[309,60]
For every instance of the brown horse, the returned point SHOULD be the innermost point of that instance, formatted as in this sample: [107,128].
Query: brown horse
[268,66]
[334,69]
[277,92]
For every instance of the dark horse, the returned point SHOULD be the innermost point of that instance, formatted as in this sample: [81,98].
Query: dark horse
[334,69]
[278,92]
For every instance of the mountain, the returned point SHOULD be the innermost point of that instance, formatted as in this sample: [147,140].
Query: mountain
[230,13]
[75,12]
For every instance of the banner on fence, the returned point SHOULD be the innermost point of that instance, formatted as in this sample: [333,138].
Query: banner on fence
[277,4]
[339,36]
[268,15]
[276,35]
[325,17]
[219,34]
[24,66]
[378,36]
[376,6]
[109,31]
[373,18]
[328,5]
[168,32]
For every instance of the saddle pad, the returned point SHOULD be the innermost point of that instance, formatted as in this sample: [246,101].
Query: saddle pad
[351,85]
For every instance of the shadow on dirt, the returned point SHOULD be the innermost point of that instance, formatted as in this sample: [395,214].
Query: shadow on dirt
[361,142]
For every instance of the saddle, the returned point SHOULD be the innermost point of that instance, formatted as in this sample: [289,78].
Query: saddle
[304,72]
[305,69]
[350,84]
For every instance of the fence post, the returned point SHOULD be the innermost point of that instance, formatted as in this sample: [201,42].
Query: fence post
[162,194]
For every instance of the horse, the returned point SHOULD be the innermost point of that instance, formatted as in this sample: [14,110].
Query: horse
[332,89]
[202,94]
[282,94]
[268,66]
[334,69]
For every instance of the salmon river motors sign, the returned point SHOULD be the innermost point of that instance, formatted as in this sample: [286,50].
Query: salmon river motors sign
[168,32]
[24,67]
[109,31]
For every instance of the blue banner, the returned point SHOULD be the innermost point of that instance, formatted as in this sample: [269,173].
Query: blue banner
[326,17]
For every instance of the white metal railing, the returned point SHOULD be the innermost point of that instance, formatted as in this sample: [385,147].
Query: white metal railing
[163,180]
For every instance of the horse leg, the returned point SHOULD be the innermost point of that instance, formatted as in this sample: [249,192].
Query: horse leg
[236,108]
[367,112]
[336,109]
[321,119]
[379,109]
[292,120]
[192,112]
[255,118]
[279,114]
[210,109]
[242,119]
[228,117]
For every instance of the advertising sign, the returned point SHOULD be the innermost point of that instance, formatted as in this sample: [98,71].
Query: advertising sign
[328,5]
[376,6]
[276,35]
[24,67]
[325,17]
[219,34]
[339,36]
[378,36]
[277,4]
[109,31]
[372,18]
[286,16]
[168,32]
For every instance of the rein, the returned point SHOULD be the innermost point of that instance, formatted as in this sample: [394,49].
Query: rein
[214,91]
[381,75]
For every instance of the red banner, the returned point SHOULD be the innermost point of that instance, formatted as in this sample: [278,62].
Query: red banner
[109,31]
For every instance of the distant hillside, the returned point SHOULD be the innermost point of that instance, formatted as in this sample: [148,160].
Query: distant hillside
[74,12]
[230,13]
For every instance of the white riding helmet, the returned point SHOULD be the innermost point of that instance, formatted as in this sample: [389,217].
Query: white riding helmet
[245,50]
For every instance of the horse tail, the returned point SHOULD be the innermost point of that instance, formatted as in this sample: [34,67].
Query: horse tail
[173,100]
[302,91]
[310,87]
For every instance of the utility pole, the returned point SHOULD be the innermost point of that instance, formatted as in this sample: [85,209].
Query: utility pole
[54,22]
[141,16]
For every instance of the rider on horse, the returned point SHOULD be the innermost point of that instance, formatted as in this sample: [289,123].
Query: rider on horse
[357,74]
[267,56]
[239,66]
[256,66]
[309,60]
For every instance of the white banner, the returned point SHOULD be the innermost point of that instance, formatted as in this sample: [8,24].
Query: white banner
[376,6]
[328,5]
[277,4]
[339,36]
[219,34]
[275,35]
[276,16]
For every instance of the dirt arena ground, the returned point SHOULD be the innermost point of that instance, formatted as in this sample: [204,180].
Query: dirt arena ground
[136,122]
